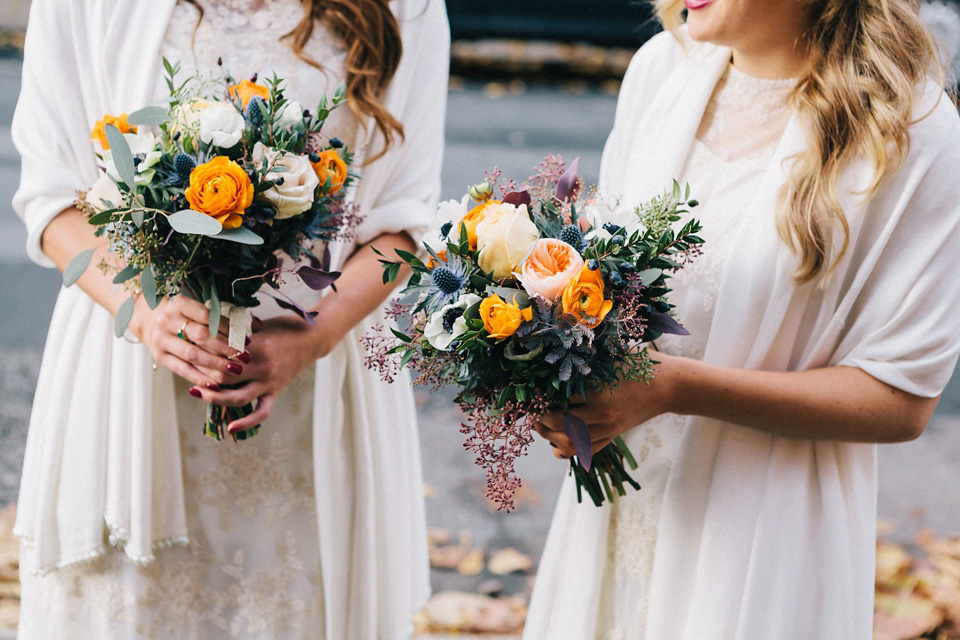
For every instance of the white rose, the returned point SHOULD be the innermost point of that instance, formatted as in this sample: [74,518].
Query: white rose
[300,182]
[292,113]
[436,331]
[504,238]
[145,148]
[220,124]
[104,194]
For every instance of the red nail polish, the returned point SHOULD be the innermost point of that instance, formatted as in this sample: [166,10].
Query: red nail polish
[244,357]
[213,386]
[234,368]
[232,430]
[195,392]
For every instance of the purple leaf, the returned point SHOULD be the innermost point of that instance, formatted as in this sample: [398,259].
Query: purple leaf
[569,184]
[664,323]
[518,197]
[576,429]
[308,316]
[317,279]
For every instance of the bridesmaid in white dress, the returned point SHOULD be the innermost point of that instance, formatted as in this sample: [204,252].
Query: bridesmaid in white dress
[822,318]
[133,523]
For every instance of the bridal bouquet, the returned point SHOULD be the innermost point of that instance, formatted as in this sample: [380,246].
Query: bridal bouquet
[227,186]
[532,302]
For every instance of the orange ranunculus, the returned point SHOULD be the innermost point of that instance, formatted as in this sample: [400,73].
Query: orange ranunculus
[100,134]
[583,298]
[501,319]
[330,167]
[245,90]
[473,218]
[549,268]
[221,189]
[431,263]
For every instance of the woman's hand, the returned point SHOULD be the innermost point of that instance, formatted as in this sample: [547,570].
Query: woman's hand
[279,350]
[204,361]
[609,414]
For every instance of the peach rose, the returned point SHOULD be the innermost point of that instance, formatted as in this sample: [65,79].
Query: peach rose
[501,319]
[549,268]
[584,299]
[221,189]
[330,167]
[245,91]
[100,134]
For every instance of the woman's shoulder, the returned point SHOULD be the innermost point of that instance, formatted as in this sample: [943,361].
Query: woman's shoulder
[936,126]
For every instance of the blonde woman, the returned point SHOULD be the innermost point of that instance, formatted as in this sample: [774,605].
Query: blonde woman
[133,524]
[823,318]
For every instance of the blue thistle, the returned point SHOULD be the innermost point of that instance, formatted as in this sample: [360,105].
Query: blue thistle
[183,165]
[446,280]
[255,110]
[572,235]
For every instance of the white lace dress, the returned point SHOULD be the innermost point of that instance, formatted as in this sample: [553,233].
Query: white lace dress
[743,123]
[251,569]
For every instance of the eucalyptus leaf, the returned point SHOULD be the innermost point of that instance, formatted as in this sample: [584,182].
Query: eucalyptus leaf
[122,157]
[148,116]
[243,235]
[124,314]
[148,285]
[125,274]
[102,218]
[649,276]
[194,222]
[75,268]
[137,217]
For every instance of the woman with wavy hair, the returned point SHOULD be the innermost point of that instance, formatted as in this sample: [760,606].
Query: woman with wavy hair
[132,523]
[823,319]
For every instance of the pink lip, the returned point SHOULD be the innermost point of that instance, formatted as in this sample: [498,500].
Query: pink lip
[696,4]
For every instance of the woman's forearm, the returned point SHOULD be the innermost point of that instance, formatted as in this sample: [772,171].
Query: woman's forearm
[359,290]
[68,235]
[832,403]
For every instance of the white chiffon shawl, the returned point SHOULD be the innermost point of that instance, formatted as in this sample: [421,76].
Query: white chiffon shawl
[102,465]
[764,536]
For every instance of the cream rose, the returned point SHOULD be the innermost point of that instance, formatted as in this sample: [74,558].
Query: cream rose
[549,268]
[504,238]
[217,123]
[104,194]
[298,185]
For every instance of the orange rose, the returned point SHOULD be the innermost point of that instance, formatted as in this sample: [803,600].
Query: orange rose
[583,298]
[549,268]
[473,218]
[99,133]
[221,189]
[330,167]
[244,91]
[501,319]
[431,263]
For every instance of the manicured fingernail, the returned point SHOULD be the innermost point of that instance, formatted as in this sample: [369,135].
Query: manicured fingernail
[213,386]
[233,429]
[234,368]
[244,357]
[195,392]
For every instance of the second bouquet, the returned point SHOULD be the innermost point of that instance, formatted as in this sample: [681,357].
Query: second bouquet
[226,187]
[533,302]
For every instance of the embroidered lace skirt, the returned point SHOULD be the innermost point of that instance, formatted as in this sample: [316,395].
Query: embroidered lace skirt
[251,569]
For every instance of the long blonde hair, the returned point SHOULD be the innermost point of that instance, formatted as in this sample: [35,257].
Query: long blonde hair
[867,59]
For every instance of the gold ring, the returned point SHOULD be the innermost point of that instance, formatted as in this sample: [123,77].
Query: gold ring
[182,333]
